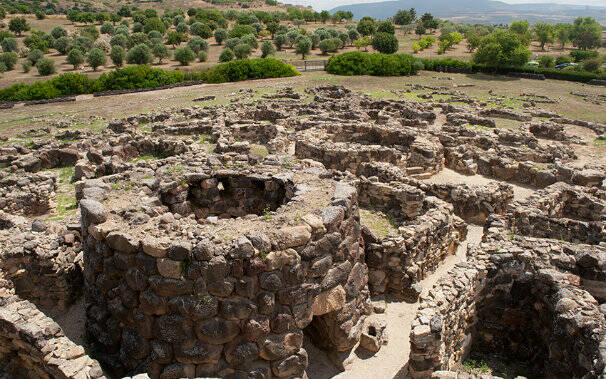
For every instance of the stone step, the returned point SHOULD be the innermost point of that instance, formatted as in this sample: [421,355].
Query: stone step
[425,175]
[414,170]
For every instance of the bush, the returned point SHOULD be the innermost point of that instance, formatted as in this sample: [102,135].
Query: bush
[197,44]
[160,51]
[250,40]
[26,66]
[61,44]
[385,43]
[184,55]
[241,30]
[34,56]
[244,69]
[58,32]
[232,42]
[96,58]
[140,54]
[242,51]
[330,45]
[9,60]
[3,68]
[386,27]
[117,55]
[267,49]
[546,61]
[501,48]
[119,40]
[226,55]
[358,63]
[201,30]
[303,46]
[45,67]
[563,59]
[9,44]
[108,28]
[138,77]
[592,65]
[220,35]
[75,58]
[202,56]
[581,55]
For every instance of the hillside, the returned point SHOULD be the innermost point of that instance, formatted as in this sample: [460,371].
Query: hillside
[479,11]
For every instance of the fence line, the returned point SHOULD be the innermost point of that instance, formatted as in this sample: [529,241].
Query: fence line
[319,65]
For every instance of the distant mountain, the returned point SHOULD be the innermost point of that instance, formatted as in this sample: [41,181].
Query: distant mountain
[478,11]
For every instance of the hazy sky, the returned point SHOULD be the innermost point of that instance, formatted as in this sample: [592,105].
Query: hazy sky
[329,4]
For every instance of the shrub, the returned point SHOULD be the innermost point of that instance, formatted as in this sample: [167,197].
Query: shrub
[244,69]
[75,58]
[366,26]
[358,63]
[226,55]
[108,28]
[18,25]
[546,61]
[119,40]
[220,35]
[330,45]
[242,51]
[45,67]
[592,65]
[61,44]
[90,31]
[184,55]
[140,54]
[386,27]
[26,66]
[3,68]
[267,49]
[160,51]
[9,44]
[562,59]
[36,40]
[250,40]
[232,42]
[182,28]
[58,32]
[34,56]
[156,24]
[303,47]
[201,30]
[385,43]
[581,55]
[501,48]
[197,44]
[9,59]
[138,77]
[4,35]
[241,30]
[82,43]
[202,56]
[96,58]
[117,55]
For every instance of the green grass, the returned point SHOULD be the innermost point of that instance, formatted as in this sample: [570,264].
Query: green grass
[378,222]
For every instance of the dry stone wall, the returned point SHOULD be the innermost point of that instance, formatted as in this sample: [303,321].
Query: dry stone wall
[203,307]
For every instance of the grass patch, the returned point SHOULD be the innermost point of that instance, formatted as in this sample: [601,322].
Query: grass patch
[378,222]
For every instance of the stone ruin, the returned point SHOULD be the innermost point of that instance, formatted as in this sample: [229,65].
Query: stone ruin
[212,241]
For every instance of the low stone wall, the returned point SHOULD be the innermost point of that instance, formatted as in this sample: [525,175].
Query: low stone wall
[511,301]
[202,306]
[427,232]
[564,212]
[347,157]
[29,194]
[33,346]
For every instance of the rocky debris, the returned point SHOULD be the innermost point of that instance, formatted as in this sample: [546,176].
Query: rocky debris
[373,337]
[27,194]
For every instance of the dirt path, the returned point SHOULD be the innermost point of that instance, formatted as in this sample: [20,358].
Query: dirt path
[391,360]
[448,176]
